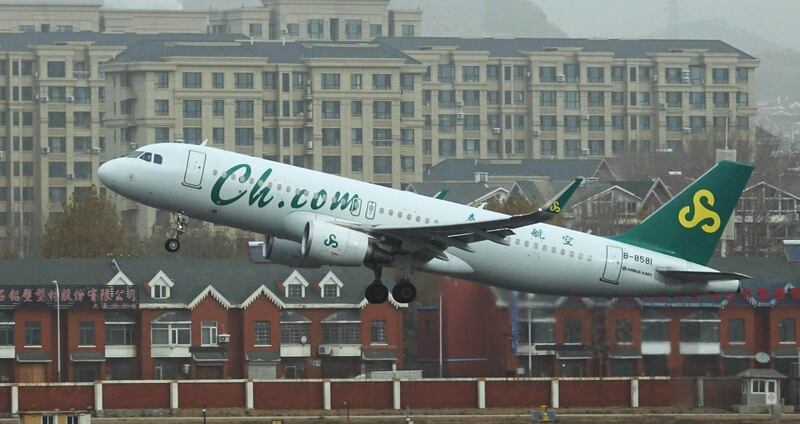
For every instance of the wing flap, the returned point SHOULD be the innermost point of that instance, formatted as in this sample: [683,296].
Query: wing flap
[702,276]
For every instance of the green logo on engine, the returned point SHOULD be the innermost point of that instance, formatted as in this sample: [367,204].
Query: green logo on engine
[331,242]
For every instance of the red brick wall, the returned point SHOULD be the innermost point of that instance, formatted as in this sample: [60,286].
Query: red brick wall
[722,393]
[209,309]
[5,399]
[578,394]
[47,398]
[211,395]
[362,395]
[262,309]
[287,395]
[438,394]
[47,318]
[654,393]
[394,328]
[136,396]
[517,394]
[71,327]
[682,393]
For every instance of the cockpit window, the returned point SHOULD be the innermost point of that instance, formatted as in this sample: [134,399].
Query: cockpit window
[134,154]
[157,159]
[147,156]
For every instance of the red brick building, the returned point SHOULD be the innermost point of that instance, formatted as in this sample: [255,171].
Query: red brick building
[158,318]
[488,332]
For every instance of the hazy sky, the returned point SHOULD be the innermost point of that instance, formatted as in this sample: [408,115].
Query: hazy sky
[774,20]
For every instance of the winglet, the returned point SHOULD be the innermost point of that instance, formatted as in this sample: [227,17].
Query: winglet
[440,194]
[557,203]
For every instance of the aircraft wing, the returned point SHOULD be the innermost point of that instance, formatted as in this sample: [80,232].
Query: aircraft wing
[436,238]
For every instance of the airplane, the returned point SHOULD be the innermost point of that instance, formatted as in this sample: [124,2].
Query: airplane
[311,219]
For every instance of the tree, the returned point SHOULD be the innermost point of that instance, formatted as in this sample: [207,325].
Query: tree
[88,228]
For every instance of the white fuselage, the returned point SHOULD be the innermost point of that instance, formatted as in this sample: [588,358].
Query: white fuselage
[541,258]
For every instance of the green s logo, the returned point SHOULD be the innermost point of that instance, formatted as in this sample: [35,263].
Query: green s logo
[331,242]
[701,213]
[555,207]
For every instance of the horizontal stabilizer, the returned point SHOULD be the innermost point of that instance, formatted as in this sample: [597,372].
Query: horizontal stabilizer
[701,276]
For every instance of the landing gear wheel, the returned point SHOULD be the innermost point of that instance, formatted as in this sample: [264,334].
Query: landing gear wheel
[376,292]
[172,245]
[404,291]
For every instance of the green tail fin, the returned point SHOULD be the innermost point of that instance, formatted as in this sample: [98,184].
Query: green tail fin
[689,225]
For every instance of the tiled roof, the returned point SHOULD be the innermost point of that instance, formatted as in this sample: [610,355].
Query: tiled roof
[23,41]
[463,193]
[515,47]
[235,279]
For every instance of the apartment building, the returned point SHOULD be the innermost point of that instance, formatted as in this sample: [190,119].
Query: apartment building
[571,98]
[150,318]
[347,108]
[293,20]
[52,135]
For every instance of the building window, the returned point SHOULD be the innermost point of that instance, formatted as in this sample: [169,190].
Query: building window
[263,333]
[334,333]
[208,333]
[217,80]
[736,330]
[674,75]
[192,80]
[56,69]
[356,109]
[255,30]
[120,334]
[192,109]
[159,291]
[700,327]
[86,333]
[48,419]
[596,123]
[356,164]
[293,30]
[572,331]
[447,72]
[572,148]
[547,74]
[294,291]
[742,75]
[572,124]
[571,72]
[294,333]
[269,80]
[375,30]
[382,165]
[572,99]
[172,334]
[786,331]
[161,108]
[332,165]
[330,109]
[330,81]
[352,29]
[57,119]
[674,99]
[407,164]
[33,333]
[331,137]
[406,109]
[377,331]
[674,123]
[244,136]
[623,332]
[382,110]
[597,147]
[243,80]
[382,81]
[720,75]
[595,74]
[356,82]
[471,73]
[315,29]
[406,81]
[330,290]
[407,30]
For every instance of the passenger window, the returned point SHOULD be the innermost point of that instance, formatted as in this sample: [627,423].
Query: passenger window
[580,256]
[527,243]
[391,212]
[553,250]
[381,211]
[399,214]
[408,217]
[535,245]
[427,220]
[563,252]
[571,253]
[516,242]
[146,157]
[157,159]
[419,218]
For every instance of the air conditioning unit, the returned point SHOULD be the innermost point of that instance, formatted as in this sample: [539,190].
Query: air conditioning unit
[223,338]
[687,130]
[496,130]
[459,103]
[186,369]
[95,150]
[37,97]
[2,155]
[662,106]
[45,150]
[70,176]
[585,152]
[562,77]
[654,78]
[133,146]
[585,117]
[70,99]
[310,144]
[44,99]
[685,79]
[685,73]
[536,133]
[528,75]
[325,350]
[460,116]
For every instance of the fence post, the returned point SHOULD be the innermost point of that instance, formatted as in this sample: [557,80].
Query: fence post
[14,399]
[700,395]
[248,395]
[634,393]
[396,393]
[98,396]
[326,395]
[481,393]
[554,393]
[173,395]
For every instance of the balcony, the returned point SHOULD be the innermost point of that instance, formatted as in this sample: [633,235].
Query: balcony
[340,350]
[170,351]
[121,351]
[295,351]
[7,352]
[698,348]
[656,348]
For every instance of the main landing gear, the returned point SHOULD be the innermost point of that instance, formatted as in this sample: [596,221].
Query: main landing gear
[402,292]
[179,222]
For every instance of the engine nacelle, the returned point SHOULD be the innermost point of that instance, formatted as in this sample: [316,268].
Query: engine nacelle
[287,252]
[332,244]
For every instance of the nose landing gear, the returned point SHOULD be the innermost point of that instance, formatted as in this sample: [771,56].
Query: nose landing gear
[178,221]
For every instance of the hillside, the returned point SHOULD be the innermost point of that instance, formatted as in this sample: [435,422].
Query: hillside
[481,18]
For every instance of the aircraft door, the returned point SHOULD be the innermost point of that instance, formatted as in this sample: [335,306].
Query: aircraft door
[371,207]
[613,266]
[195,164]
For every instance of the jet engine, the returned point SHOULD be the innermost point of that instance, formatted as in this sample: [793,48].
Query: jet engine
[331,244]
[287,252]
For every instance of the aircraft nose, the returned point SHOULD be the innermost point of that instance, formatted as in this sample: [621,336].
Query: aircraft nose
[108,173]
